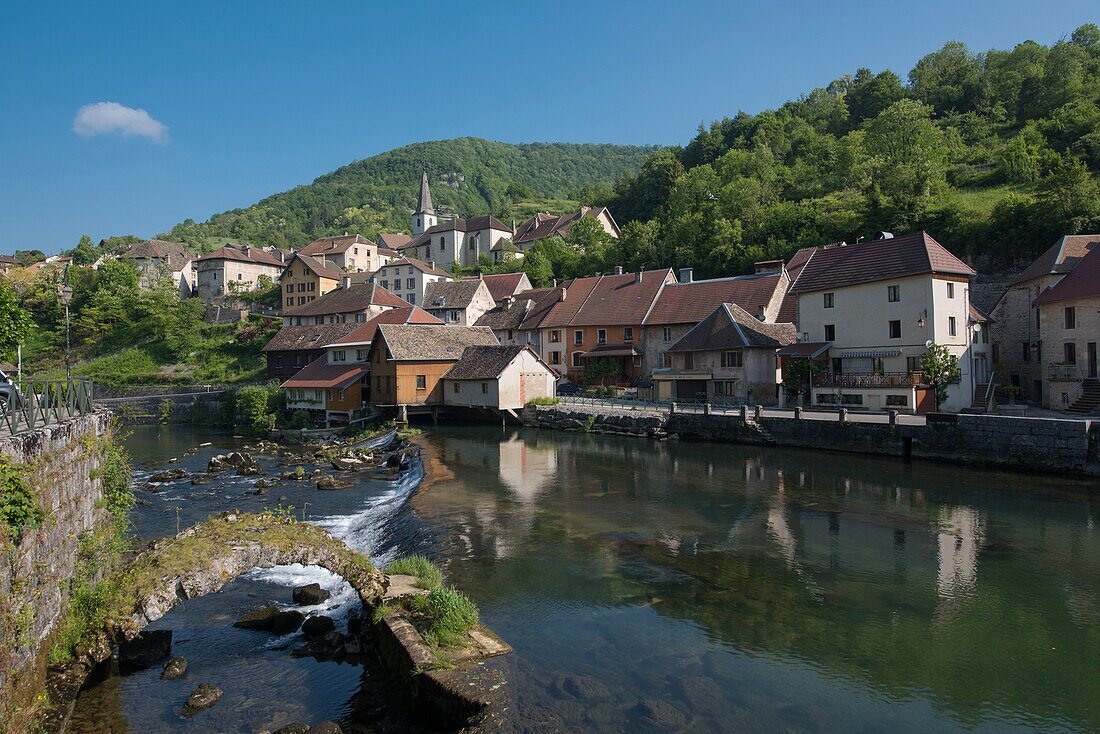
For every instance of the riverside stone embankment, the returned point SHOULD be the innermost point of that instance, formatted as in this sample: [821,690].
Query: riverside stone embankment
[1030,444]
[61,464]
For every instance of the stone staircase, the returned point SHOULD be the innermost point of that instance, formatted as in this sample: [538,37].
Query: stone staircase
[1089,400]
[978,403]
[761,432]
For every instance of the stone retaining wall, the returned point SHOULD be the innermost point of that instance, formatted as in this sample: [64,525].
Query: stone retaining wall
[63,468]
[204,407]
[1030,444]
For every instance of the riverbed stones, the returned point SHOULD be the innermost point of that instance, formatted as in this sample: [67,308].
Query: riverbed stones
[144,650]
[310,594]
[326,482]
[242,462]
[296,728]
[258,619]
[169,475]
[203,697]
[200,479]
[325,727]
[174,668]
[317,626]
[297,474]
[659,715]
[583,687]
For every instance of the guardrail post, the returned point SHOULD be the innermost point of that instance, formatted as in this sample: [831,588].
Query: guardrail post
[744,413]
[759,412]
[842,415]
[671,408]
[706,408]
[893,417]
[798,412]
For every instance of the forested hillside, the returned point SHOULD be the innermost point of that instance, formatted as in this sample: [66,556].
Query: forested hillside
[995,153]
[469,177]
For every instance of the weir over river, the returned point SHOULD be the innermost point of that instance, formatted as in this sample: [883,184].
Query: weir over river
[672,586]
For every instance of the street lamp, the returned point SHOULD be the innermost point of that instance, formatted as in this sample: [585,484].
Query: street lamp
[65,294]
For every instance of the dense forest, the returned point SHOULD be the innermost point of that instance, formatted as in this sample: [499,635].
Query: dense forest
[995,153]
[469,177]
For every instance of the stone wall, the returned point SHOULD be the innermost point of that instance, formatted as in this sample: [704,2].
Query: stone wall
[1029,444]
[63,469]
[205,408]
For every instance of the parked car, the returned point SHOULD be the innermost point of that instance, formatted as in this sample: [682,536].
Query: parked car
[9,391]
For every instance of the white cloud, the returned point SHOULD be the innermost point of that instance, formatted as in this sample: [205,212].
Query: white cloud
[105,118]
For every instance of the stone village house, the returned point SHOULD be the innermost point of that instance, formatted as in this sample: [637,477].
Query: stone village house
[458,302]
[235,268]
[408,278]
[498,378]
[158,259]
[351,304]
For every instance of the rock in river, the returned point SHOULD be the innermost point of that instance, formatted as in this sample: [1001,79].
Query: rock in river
[295,728]
[242,462]
[327,482]
[270,618]
[310,594]
[144,650]
[169,475]
[174,668]
[317,626]
[202,697]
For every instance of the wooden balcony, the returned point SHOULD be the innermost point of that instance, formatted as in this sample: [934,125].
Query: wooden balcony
[867,379]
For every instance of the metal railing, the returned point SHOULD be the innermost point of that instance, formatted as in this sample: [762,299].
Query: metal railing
[867,379]
[991,393]
[1062,372]
[717,404]
[40,403]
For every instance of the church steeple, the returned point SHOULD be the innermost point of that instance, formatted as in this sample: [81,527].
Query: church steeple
[424,216]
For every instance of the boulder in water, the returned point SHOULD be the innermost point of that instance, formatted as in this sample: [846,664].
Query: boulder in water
[174,668]
[310,594]
[169,475]
[200,479]
[202,697]
[258,619]
[144,650]
[317,626]
[325,727]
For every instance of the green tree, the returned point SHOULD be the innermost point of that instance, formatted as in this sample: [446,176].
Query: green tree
[85,252]
[947,79]
[939,368]
[907,153]
[15,322]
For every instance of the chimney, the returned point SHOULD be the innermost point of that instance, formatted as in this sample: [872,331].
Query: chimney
[554,282]
[347,282]
[561,293]
[618,270]
[686,275]
[638,277]
[431,264]
[768,266]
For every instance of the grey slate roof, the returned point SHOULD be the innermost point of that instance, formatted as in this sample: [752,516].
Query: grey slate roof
[428,343]
[175,255]
[484,363]
[732,327]
[424,204]
[306,337]
[452,293]
[512,315]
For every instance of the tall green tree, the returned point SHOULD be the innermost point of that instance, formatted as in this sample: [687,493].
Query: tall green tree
[907,153]
[939,368]
[15,321]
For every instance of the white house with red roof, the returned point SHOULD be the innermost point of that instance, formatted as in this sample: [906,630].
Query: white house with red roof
[877,305]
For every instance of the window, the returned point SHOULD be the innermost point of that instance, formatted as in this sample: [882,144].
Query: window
[912,364]
[1036,319]
[897,401]
[828,300]
[628,334]
[421,382]
[952,326]
[409,271]
[410,283]
[1027,352]
[456,388]
[418,221]
[312,287]
[485,388]
[851,399]
[339,355]
[577,361]
[578,337]
[555,357]
[360,355]
[950,290]
[452,316]
[289,287]
[411,298]
[661,359]
[386,284]
[1070,317]
[238,276]
[290,301]
[689,360]
[555,336]
[892,294]
[732,359]
[601,336]
[509,335]
[830,332]
[718,388]
[895,330]
[666,334]
[1069,351]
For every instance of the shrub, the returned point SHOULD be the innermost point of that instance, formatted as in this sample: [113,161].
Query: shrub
[544,401]
[428,575]
[19,508]
[300,419]
[255,407]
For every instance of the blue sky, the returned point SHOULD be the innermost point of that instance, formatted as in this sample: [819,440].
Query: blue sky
[257,97]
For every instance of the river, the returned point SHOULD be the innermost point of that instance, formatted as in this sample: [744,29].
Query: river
[672,585]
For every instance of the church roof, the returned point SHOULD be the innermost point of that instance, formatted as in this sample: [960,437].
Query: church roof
[424,205]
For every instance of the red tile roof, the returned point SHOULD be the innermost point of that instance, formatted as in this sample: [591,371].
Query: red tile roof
[608,300]
[1061,257]
[364,333]
[318,268]
[320,374]
[867,262]
[506,284]
[238,253]
[347,300]
[393,240]
[1082,282]
[690,303]
[334,245]
[544,225]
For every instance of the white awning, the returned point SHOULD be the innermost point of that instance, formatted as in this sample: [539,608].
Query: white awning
[871,353]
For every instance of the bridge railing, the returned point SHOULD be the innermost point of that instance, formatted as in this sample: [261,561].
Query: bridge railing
[42,402]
